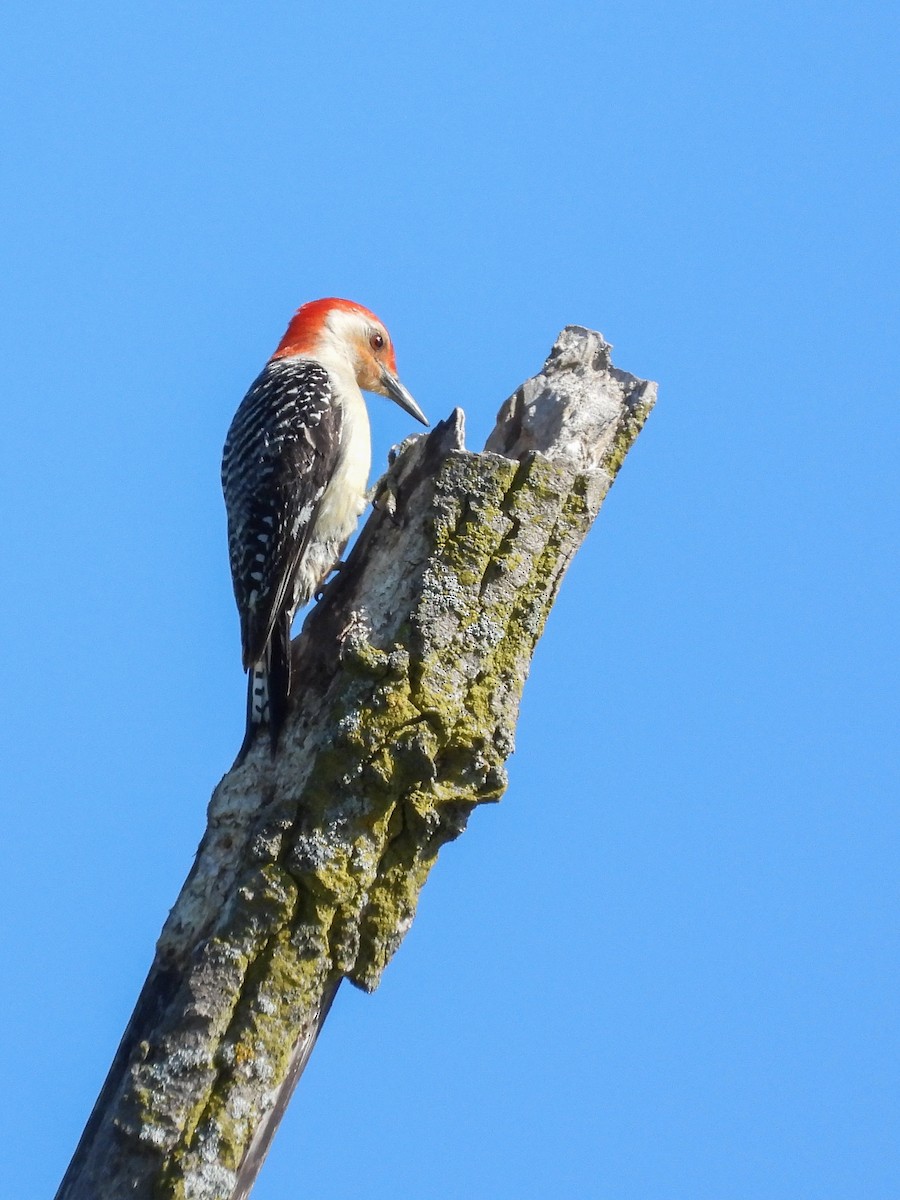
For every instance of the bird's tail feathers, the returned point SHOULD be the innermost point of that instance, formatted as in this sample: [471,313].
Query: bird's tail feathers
[268,688]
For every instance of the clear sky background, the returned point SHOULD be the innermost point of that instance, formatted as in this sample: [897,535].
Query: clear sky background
[663,967]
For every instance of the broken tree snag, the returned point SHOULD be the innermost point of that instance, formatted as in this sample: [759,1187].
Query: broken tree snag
[408,678]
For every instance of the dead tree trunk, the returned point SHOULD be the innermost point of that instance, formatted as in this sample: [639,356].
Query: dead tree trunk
[409,675]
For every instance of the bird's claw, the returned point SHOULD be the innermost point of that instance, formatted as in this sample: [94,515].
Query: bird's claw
[384,496]
[328,580]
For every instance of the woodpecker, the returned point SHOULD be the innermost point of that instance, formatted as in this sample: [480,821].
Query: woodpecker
[294,473]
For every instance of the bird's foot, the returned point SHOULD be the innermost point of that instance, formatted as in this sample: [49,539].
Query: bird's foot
[329,579]
[384,496]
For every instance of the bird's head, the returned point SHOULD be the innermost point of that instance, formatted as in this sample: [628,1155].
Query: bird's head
[339,331]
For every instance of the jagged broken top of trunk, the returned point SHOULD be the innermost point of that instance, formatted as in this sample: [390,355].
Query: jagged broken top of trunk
[578,409]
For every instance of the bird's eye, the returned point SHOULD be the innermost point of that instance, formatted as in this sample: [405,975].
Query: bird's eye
[376,341]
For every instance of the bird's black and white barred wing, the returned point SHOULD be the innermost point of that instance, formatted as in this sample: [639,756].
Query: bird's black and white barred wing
[281,450]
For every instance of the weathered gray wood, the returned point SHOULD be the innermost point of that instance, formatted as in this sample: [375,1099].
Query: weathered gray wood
[409,675]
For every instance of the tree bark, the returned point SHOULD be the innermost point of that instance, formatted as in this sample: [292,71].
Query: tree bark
[408,678]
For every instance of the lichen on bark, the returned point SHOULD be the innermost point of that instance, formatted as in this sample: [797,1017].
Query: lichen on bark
[409,675]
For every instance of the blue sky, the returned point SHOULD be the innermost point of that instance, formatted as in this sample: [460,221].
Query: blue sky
[663,966]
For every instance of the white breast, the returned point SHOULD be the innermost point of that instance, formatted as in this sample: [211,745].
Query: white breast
[345,496]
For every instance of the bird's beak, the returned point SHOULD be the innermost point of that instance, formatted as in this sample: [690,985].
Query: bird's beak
[398,393]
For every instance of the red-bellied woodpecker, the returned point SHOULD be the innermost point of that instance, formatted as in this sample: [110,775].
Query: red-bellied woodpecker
[294,473]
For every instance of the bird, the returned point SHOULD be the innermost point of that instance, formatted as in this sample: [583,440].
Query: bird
[294,473]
